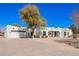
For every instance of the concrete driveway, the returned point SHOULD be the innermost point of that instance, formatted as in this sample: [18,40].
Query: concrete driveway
[35,47]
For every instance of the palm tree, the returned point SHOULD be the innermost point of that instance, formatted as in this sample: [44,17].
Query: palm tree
[30,14]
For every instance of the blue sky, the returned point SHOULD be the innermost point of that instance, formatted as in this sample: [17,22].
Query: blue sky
[56,15]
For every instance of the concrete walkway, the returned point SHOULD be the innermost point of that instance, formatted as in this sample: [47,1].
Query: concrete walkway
[35,47]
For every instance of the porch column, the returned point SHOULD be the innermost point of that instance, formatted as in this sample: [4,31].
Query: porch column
[53,33]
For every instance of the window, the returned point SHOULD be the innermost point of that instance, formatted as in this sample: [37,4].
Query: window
[44,33]
[53,33]
[64,33]
[50,33]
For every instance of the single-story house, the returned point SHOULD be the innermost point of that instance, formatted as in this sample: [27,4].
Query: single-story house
[17,32]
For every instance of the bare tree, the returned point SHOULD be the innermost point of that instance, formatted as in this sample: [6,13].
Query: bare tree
[75,18]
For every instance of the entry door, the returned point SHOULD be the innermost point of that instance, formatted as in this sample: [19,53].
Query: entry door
[56,33]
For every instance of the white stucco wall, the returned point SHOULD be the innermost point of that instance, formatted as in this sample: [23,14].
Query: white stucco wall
[61,31]
[10,34]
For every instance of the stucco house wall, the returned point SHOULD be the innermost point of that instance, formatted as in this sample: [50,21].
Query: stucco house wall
[16,32]
[59,30]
